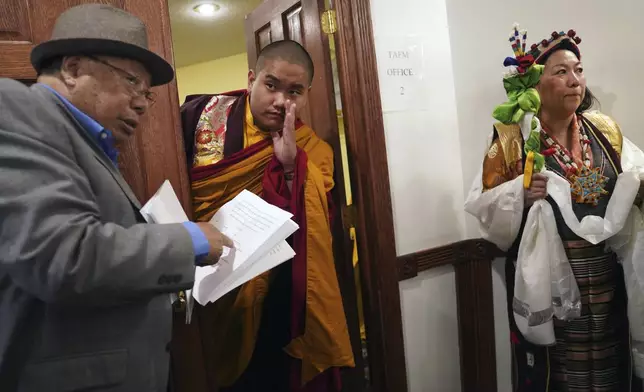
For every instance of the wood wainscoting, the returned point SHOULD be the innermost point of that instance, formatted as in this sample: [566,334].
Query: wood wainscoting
[472,261]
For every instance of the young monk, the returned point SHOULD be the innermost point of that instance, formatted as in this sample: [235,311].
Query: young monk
[285,330]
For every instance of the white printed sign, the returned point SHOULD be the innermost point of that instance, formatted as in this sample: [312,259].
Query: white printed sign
[400,72]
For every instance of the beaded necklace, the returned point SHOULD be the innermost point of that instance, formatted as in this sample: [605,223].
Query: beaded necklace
[586,183]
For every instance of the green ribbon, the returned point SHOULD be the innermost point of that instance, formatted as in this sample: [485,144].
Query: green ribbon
[523,98]
[534,144]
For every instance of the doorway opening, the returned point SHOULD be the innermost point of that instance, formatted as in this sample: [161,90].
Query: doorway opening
[209,45]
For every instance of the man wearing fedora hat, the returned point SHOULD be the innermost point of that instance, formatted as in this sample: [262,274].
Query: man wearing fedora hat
[84,282]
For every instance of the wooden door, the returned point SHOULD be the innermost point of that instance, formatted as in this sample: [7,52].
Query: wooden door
[156,152]
[299,20]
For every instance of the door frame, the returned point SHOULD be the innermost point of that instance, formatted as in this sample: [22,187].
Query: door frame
[367,149]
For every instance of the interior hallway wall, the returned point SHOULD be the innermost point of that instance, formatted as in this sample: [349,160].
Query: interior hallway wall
[216,76]
[423,148]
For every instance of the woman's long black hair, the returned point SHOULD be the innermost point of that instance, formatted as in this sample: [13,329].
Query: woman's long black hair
[588,102]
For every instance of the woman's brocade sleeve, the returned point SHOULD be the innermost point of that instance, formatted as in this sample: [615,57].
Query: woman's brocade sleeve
[495,168]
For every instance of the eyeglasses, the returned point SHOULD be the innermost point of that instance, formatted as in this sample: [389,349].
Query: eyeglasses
[134,83]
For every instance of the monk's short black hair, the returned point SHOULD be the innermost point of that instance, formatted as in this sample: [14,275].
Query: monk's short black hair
[289,51]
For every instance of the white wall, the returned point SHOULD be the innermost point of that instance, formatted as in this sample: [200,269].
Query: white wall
[435,143]
[423,149]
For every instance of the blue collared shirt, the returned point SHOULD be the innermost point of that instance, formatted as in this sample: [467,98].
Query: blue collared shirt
[199,241]
[105,140]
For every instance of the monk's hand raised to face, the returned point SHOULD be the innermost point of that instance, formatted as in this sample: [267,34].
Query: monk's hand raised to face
[538,189]
[284,142]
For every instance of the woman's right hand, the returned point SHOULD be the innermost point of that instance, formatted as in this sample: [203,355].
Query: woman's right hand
[537,190]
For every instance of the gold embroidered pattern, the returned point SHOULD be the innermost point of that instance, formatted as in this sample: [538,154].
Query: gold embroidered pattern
[493,151]
[608,127]
[510,139]
[211,131]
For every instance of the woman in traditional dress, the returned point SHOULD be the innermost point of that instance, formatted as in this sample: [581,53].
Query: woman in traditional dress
[592,351]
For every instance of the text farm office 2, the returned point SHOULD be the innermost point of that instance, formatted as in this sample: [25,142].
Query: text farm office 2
[83,280]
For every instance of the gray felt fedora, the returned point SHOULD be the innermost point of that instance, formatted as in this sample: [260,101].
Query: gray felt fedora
[99,29]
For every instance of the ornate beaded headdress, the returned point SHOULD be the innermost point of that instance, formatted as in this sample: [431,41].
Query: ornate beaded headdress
[521,60]
[556,40]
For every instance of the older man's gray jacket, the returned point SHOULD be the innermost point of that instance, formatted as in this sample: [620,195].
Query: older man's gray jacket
[84,284]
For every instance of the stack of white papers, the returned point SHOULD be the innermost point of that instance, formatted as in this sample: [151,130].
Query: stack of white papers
[164,207]
[258,229]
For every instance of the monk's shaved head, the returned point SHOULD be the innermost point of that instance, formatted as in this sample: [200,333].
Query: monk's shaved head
[282,77]
[289,51]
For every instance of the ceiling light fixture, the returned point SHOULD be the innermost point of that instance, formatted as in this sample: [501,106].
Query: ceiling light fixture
[206,9]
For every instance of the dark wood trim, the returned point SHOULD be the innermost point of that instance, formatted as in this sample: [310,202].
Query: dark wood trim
[181,183]
[15,61]
[472,261]
[475,308]
[362,109]
[156,152]
[456,253]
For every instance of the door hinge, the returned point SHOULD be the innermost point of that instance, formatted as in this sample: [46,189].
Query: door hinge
[329,22]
